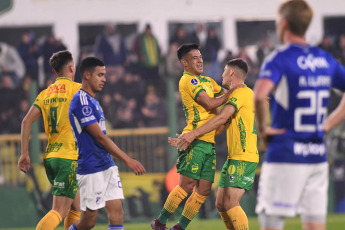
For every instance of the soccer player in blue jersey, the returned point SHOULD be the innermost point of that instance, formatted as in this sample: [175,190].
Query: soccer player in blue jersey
[298,77]
[98,177]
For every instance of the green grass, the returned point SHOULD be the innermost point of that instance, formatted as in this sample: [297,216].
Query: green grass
[334,222]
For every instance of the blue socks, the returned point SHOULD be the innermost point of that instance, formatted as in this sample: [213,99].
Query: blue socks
[73,227]
[115,227]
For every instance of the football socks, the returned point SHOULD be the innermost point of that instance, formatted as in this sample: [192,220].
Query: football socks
[50,221]
[176,196]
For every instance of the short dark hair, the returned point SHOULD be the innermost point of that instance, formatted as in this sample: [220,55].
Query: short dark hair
[239,63]
[185,49]
[59,59]
[89,64]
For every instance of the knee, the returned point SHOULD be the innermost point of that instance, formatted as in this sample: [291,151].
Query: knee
[188,188]
[220,207]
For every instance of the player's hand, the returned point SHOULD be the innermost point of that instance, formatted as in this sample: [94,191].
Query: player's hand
[24,163]
[173,141]
[185,140]
[136,166]
[268,132]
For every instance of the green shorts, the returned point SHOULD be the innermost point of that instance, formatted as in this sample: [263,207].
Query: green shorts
[237,174]
[198,161]
[62,175]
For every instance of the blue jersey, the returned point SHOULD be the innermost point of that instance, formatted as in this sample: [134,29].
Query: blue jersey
[303,76]
[85,110]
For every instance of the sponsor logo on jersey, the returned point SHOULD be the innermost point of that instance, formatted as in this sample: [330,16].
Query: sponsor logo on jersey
[53,147]
[194,81]
[232,178]
[59,184]
[311,62]
[56,88]
[98,199]
[87,111]
[306,149]
[231,169]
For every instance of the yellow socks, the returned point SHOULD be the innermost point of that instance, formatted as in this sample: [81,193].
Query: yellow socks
[238,218]
[71,218]
[191,209]
[176,196]
[226,220]
[50,221]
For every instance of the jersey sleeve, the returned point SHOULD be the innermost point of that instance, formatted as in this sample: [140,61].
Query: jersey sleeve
[83,110]
[237,99]
[38,102]
[217,89]
[271,68]
[192,87]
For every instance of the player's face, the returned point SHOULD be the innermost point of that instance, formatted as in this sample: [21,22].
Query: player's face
[97,79]
[193,62]
[227,76]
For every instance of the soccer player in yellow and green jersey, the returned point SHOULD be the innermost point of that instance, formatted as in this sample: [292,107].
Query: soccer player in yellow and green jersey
[60,157]
[200,97]
[238,116]
[53,104]
[190,87]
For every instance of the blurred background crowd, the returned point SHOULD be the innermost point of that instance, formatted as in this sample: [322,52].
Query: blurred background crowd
[135,93]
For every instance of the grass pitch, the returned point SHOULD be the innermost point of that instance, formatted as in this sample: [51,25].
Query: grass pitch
[334,222]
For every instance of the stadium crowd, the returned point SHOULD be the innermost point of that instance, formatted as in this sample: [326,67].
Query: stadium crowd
[134,95]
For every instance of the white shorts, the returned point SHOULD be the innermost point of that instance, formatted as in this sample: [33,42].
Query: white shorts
[97,188]
[289,189]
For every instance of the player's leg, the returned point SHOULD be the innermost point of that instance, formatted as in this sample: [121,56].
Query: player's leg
[176,196]
[203,163]
[222,210]
[238,217]
[115,214]
[188,180]
[74,212]
[87,220]
[194,202]
[236,177]
[64,190]
[280,191]
[113,197]
[271,222]
[313,206]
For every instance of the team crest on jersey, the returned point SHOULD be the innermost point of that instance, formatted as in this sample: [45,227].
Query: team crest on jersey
[87,111]
[194,81]
[195,168]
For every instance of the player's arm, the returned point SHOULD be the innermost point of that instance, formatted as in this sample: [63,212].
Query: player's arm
[210,103]
[95,131]
[336,116]
[221,128]
[219,120]
[24,160]
[262,89]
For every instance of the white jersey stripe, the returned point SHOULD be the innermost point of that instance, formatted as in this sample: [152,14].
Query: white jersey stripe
[83,98]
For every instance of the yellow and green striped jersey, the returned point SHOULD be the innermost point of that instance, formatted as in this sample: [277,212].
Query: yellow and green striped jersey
[53,103]
[241,133]
[190,87]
